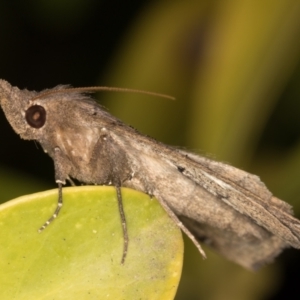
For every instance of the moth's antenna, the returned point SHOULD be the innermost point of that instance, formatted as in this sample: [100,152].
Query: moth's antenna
[101,88]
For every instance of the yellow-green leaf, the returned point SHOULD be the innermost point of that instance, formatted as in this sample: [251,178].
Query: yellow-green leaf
[79,255]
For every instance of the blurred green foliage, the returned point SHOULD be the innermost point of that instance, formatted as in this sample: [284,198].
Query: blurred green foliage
[233,67]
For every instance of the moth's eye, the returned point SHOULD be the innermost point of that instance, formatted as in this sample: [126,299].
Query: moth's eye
[36,116]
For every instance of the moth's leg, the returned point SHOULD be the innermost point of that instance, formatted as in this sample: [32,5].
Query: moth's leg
[56,212]
[60,179]
[181,226]
[124,224]
[111,169]
[71,181]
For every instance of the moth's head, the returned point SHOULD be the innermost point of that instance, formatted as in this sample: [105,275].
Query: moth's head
[17,109]
[26,111]
[34,114]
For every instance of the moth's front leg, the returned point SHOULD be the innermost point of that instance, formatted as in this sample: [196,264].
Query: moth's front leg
[61,174]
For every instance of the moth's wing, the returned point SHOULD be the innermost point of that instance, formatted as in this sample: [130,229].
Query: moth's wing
[249,196]
[228,208]
[252,226]
[248,182]
[250,253]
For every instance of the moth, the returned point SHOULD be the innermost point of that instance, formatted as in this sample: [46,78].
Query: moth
[229,209]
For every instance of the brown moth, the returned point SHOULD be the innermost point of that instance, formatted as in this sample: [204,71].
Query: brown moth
[212,202]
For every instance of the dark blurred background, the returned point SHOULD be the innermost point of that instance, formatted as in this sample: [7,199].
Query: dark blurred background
[233,67]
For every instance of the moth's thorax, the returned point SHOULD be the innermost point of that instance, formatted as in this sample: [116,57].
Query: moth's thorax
[77,145]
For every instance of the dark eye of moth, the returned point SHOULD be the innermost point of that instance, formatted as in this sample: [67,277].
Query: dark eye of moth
[36,116]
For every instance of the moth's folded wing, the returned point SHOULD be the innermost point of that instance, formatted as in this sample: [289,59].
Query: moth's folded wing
[249,252]
[249,196]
